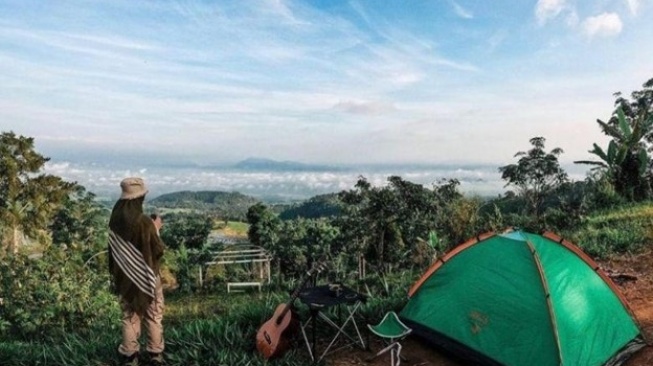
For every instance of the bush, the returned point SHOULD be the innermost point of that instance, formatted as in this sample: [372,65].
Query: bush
[53,295]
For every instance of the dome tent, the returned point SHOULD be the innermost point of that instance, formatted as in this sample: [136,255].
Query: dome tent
[519,299]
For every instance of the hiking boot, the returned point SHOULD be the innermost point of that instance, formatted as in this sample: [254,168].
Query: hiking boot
[130,360]
[156,359]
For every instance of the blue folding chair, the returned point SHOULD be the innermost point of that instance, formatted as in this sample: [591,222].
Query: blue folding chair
[393,331]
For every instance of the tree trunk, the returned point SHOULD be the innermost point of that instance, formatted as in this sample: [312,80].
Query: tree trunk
[13,246]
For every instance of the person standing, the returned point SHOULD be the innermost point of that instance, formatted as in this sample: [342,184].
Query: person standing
[135,252]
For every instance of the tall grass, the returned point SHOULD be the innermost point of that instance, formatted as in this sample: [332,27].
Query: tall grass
[208,329]
[625,230]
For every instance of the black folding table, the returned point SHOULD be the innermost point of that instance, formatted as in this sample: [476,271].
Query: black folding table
[319,299]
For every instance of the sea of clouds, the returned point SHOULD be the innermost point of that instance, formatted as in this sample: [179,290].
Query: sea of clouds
[104,179]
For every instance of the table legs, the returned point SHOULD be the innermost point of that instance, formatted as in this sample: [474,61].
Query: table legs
[354,340]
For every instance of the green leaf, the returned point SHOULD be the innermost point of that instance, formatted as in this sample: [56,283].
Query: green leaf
[610,130]
[600,153]
[612,151]
[643,161]
[589,162]
[621,155]
[623,124]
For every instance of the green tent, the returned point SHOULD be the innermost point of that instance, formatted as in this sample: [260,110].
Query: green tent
[519,299]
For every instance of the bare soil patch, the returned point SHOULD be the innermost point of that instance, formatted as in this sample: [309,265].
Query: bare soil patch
[639,294]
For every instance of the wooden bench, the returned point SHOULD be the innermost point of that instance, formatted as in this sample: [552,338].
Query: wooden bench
[243,284]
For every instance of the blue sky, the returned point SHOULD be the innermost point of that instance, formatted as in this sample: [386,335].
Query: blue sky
[338,82]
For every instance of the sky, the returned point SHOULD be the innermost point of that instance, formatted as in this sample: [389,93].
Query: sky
[326,82]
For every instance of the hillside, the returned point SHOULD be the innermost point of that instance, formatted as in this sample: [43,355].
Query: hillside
[319,206]
[226,204]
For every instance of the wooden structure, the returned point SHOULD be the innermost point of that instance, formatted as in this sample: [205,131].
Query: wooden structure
[245,254]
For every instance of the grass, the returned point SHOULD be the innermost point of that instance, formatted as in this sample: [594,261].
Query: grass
[625,230]
[235,229]
[200,329]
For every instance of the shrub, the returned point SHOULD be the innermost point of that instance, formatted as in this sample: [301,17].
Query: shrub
[53,295]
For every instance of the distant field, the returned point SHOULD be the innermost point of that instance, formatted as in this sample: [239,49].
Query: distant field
[233,229]
[166,210]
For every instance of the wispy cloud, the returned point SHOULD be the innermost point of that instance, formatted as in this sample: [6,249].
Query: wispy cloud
[548,9]
[219,81]
[603,25]
[364,107]
[633,6]
[461,12]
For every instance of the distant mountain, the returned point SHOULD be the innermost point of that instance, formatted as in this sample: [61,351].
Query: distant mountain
[284,166]
[232,205]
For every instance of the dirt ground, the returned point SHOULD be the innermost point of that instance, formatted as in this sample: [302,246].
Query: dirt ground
[638,292]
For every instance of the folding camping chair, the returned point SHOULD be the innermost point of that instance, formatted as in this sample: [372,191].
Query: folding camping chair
[393,331]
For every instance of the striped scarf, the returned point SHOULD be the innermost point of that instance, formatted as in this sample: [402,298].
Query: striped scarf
[132,264]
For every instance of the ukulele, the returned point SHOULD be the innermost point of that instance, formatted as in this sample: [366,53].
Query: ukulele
[273,338]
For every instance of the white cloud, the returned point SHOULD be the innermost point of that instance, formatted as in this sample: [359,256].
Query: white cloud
[104,180]
[282,9]
[606,25]
[633,5]
[572,18]
[548,9]
[364,107]
[461,12]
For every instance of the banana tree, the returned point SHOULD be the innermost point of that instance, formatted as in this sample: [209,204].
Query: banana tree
[626,159]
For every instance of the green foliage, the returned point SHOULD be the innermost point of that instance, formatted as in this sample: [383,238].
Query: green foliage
[327,205]
[383,223]
[387,224]
[27,199]
[52,295]
[225,205]
[80,222]
[202,330]
[184,265]
[536,174]
[294,244]
[303,242]
[186,229]
[264,226]
[626,162]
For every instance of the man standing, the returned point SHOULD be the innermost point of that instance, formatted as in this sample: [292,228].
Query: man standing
[134,262]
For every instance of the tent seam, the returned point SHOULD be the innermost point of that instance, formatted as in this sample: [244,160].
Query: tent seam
[597,269]
[547,293]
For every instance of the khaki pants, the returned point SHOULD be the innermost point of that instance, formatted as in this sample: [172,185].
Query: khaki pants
[131,326]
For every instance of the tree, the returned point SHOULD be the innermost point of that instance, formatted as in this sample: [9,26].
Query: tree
[626,161]
[27,199]
[639,109]
[188,230]
[80,222]
[372,214]
[264,226]
[386,223]
[536,174]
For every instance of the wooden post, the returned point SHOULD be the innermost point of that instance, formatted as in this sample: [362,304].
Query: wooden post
[269,270]
[201,282]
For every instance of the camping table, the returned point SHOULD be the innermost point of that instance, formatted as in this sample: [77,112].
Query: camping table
[319,299]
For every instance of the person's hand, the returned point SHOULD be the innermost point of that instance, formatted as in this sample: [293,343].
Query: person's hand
[158,223]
